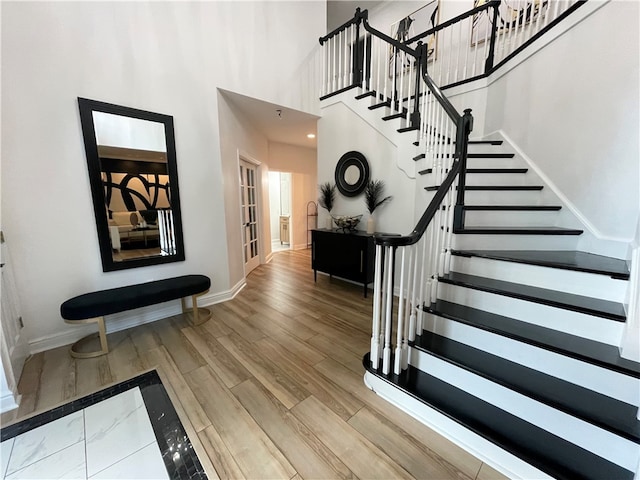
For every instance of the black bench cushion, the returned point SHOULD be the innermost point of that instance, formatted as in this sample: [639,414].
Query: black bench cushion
[105,302]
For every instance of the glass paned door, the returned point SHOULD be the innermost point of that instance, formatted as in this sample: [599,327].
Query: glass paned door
[248,178]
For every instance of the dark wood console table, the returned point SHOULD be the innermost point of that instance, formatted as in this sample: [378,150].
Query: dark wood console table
[348,255]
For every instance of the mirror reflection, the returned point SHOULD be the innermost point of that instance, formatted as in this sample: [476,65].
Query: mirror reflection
[135,192]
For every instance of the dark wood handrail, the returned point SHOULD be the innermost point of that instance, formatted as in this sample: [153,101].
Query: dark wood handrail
[462,16]
[427,216]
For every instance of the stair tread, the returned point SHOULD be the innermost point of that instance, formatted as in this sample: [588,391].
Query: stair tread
[426,171]
[518,231]
[370,93]
[409,129]
[393,116]
[564,259]
[545,451]
[577,303]
[590,351]
[512,207]
[605,412]
[504,187]
[485,142]
[497,170]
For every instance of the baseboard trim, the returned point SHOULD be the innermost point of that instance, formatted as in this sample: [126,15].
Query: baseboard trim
[9,402]
[130,319]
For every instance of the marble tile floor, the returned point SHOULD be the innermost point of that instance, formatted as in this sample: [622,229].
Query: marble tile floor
[127,431]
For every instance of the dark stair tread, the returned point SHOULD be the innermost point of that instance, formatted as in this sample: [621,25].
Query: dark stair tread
[605,412]
[497,170]
[386,103]
[490,155]
[503,208]
[419,157]
[537,447]
[426,171]
[590,351]
[518,231]
[568,301]
[567,260]
[416,143]
[370,93]
[485,142]
[409,129]
[510,188]
[394,116]
[479,155]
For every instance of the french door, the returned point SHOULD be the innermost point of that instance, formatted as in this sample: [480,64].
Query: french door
[249,216]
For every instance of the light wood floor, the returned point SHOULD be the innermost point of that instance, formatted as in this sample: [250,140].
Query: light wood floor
[270,387]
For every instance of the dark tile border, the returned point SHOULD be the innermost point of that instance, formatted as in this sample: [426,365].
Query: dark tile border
[178,454]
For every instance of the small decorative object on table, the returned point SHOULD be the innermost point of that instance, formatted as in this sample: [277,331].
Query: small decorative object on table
[327,197]
[373,199]
[346,222]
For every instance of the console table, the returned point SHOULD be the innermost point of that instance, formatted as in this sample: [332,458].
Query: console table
[348,255]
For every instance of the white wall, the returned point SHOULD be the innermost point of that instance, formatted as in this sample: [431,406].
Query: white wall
[340,130]
[303,164]
[165,57]
[573,109]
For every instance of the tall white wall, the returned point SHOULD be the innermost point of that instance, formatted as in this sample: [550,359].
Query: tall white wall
[165,57]
[572,107]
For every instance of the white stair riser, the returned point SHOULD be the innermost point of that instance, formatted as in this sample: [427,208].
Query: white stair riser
[569,281]
[514,242]
[501,179]
[506,197]
[594,439]
[487,148]
[574,323]
[593,377]
[508,218]
[510,465]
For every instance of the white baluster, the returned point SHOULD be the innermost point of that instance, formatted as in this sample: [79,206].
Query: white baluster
[386,353]
[375,330]
[364,62]
[466,54]
[411,299]
[459,27]
[378,47]
[409,89]
[403,58]
[354,46]
[333,64]
[397,364]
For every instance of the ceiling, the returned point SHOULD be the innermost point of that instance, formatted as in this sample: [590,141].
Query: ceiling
[289,126]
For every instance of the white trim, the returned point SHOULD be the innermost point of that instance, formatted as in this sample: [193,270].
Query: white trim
[241,156]
[488,452]
[8,402]
[130,319]
[630,345]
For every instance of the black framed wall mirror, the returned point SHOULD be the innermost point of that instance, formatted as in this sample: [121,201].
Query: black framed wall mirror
[131,158]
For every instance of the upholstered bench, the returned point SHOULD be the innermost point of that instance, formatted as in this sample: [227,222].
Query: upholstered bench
[92,307]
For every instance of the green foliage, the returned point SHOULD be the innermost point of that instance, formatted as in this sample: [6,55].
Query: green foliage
[373,195]
[327,196]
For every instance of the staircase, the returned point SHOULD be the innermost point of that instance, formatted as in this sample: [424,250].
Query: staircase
[507,342]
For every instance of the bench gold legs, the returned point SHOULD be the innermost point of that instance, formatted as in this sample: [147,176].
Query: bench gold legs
[101,334]
[200,315]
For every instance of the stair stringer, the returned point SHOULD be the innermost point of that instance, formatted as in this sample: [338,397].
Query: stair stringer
[488,452]
[405,150]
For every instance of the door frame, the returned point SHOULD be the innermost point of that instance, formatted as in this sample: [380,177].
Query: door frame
[243,156]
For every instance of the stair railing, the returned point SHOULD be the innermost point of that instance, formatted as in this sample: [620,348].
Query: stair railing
[396,75]
[465,48]
[478,42]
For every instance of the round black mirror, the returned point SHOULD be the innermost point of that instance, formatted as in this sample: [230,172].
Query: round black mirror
[352,174]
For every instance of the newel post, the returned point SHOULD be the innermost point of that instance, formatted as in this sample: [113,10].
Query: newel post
[421,62]
[465,127]
[488,66]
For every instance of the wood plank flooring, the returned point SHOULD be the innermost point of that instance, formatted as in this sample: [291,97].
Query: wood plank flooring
[270,387]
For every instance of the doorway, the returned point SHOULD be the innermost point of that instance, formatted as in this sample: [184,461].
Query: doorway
[280,210]
[249,215]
